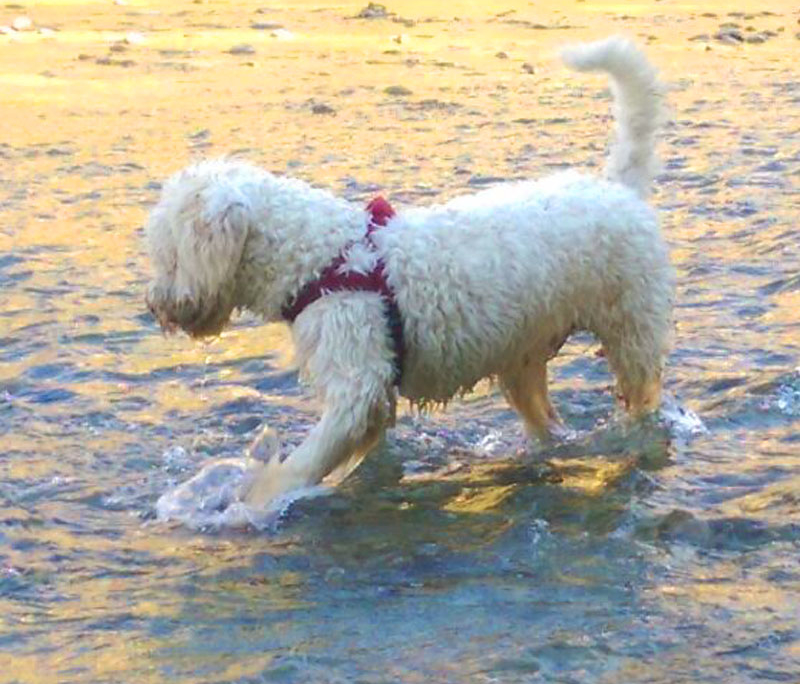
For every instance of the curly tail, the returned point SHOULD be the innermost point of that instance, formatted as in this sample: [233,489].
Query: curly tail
[638,108]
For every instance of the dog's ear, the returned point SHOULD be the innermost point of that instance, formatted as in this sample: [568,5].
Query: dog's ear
[210,249]
[196,236]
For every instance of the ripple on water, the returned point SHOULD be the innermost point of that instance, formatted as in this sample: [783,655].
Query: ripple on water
[458,552]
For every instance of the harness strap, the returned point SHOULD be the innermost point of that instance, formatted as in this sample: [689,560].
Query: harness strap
[332,279]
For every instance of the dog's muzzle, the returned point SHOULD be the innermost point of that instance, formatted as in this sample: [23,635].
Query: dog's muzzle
[203,318]
[161,313]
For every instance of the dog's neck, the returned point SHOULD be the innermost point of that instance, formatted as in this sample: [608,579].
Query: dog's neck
[296,232]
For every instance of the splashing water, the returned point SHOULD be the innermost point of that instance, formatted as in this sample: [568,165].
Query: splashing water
[213,498]
[788,399]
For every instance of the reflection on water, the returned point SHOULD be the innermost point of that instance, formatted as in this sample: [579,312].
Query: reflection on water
[652,556]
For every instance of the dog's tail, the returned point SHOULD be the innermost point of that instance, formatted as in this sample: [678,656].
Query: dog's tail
[638,109]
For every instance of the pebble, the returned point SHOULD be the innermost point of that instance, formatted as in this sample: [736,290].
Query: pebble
[282,34]
[730,36]
[373,11]
[322,108]
[501,55]
[265,26]
[134,38]
[22,24]
[107,61]
[528,68]
[242,49]
[397,90]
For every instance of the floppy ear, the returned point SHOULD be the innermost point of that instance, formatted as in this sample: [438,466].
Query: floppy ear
[215,225]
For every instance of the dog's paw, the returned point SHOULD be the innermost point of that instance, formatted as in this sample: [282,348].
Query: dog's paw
[271,481]
[266,446]
[269,477]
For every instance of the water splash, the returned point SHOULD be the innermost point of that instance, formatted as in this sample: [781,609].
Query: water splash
[213,499]
[788,401]
[681,422]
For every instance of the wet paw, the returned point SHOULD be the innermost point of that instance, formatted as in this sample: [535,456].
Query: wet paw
[266,446]
[267,483]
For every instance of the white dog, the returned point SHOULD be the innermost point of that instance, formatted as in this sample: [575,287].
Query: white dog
[488,285]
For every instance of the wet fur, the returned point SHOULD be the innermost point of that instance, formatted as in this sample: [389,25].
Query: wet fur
[488,285]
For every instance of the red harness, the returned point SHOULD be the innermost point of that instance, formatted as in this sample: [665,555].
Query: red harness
[334,279]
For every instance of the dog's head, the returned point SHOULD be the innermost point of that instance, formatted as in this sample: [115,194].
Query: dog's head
[196,236]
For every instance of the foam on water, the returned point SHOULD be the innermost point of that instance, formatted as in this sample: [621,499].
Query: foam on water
[680,421]
[788,401]
[213,498]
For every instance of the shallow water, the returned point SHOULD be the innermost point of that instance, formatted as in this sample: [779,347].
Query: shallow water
[653,556]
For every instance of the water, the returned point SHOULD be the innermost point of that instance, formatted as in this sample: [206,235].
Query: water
[668,554]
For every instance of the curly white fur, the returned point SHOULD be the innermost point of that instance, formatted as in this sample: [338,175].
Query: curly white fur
[488,285]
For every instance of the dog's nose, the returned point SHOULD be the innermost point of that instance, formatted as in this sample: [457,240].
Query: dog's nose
[157,313]
[153,312]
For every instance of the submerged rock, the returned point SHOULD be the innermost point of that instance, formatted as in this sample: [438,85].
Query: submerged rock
[265,26]
[397,91]
[322,108]
[242,49]
[729,36]
[373,11]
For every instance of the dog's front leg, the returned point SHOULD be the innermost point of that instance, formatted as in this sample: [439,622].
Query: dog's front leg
[343,349]
[335,446]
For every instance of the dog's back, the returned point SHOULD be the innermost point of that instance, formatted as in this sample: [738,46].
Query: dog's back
[517,268]
[512,270]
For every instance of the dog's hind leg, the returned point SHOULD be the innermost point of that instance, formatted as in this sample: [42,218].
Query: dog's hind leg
[525,388]
[641,396]
[635,352]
